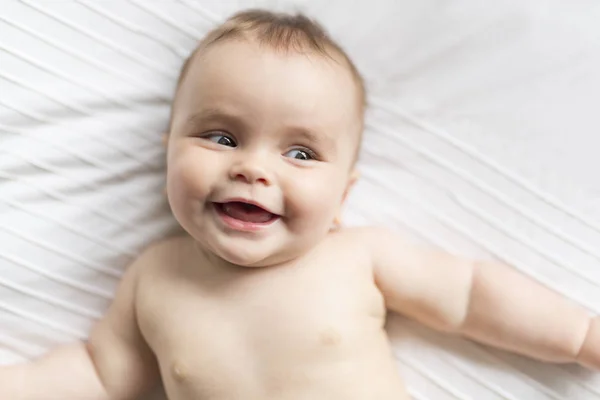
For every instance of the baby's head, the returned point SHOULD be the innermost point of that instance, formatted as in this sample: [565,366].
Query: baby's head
[265,130]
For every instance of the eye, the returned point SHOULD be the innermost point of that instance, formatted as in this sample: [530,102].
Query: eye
[222,139]
[301,154]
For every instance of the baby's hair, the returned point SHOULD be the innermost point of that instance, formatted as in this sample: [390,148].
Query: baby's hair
[281,32]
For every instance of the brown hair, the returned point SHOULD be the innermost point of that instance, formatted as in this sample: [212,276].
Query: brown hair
[280,32]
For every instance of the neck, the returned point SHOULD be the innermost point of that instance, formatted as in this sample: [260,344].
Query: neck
[219,262]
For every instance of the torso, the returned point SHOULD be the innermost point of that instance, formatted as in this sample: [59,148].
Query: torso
[309,330]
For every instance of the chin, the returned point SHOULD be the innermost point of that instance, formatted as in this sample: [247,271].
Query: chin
[239,254]
[245,260]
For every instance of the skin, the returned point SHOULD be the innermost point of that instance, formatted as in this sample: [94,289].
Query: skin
[266,102]
[295,310]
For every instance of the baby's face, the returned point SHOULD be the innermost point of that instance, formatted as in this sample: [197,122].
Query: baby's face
[273,129]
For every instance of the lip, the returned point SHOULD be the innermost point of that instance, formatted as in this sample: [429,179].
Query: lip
[248,201]
[239,225]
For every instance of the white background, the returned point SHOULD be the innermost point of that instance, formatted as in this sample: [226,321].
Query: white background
[482,138]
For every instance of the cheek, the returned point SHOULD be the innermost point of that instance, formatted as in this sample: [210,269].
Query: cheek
[191,173]
[314,201]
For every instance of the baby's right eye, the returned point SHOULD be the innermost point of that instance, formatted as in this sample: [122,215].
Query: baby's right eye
[221,139]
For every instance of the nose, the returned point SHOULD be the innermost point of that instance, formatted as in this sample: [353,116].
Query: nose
[251,169]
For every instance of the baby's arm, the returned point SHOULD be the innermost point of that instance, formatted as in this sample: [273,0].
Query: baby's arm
[486,301]
[115,364]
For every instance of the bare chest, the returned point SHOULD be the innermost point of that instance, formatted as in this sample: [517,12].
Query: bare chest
[257,326]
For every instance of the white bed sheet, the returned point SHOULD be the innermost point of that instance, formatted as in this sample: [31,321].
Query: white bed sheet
[482,138]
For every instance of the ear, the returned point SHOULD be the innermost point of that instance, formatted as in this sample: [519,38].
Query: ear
[354,175]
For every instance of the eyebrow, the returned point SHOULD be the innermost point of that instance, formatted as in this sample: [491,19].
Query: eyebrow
[214,115]
[217,115]
[323,141]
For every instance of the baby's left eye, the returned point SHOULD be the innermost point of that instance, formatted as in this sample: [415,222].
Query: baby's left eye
[300,154]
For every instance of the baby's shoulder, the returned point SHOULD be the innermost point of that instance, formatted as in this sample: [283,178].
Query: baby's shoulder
[164,255]
[361,236]
[170,245]
[373,239]
[354,240]
[163,248]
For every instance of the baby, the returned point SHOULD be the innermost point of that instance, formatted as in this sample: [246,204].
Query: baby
[267,296]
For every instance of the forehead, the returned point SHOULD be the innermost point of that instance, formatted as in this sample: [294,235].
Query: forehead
[271,86]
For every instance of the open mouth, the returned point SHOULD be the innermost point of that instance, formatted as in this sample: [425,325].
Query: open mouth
[244,216]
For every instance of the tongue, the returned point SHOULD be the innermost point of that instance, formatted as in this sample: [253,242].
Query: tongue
[247,212]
